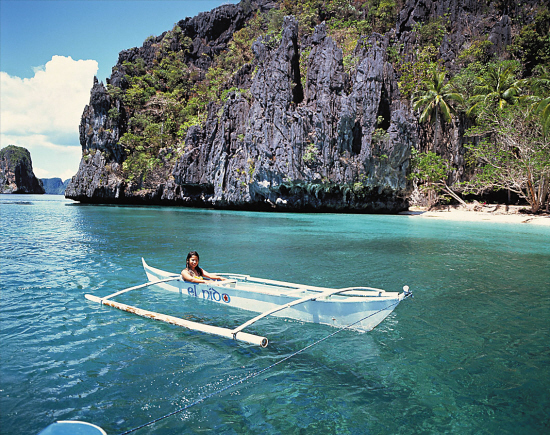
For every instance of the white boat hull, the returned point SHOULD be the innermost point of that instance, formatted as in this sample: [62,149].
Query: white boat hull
[359,308]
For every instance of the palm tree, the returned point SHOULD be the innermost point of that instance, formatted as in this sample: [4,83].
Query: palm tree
[540,100]
[435,100]
[498,87]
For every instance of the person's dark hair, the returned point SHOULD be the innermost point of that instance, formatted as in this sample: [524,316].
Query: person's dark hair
[191,254]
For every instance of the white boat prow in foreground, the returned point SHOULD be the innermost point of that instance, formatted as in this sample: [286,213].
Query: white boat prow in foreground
[72,427]
[358,308]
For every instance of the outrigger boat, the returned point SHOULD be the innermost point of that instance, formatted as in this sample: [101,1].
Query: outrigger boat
[357,308]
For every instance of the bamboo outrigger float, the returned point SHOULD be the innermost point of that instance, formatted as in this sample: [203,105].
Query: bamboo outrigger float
[359,308]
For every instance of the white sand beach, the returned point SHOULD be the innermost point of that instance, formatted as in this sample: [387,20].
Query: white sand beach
[481,212]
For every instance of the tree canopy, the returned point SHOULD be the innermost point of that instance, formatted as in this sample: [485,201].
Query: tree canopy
[434,101]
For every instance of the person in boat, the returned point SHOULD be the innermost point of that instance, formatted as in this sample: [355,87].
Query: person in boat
[193,273]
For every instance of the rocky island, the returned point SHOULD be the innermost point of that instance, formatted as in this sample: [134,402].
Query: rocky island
[54,186]
[16,173]
[268,105]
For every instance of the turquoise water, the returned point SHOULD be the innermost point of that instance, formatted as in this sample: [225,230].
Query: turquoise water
[470,354]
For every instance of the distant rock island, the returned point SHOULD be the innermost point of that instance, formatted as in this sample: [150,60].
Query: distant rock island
[54,186]
[16,173]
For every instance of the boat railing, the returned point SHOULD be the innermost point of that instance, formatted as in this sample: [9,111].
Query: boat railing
[364,291]
[296,289]
[234,276]
[228,283]
[271,282]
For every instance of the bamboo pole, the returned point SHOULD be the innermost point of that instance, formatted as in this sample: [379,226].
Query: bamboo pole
[201,327]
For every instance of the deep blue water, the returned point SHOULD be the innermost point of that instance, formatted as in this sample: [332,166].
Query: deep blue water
[470,354]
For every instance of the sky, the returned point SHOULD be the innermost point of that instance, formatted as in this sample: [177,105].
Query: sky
[50,51]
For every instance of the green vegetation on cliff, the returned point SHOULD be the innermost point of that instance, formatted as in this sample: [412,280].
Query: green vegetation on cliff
[163,100]
[16,155]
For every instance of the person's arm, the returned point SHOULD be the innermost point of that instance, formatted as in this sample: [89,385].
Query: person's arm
[212,276]
[188,277]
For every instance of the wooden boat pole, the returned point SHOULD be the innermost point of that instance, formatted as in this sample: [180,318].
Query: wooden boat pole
[147,284]
[209,329]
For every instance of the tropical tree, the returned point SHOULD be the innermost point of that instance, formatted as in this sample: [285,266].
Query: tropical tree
[540,98]
[498,87]
[434,101]
[433,172]
[510,152]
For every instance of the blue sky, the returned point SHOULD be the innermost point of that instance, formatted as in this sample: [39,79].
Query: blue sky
[50,51]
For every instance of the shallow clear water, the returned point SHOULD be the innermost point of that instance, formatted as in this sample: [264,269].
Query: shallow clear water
[469,354]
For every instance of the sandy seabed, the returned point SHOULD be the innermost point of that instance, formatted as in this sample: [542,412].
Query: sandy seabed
[498,213]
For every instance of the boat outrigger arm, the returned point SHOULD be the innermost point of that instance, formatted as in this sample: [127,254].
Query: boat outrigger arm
[290,304]
[235,333]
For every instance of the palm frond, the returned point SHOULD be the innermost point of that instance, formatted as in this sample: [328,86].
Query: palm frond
[435,98]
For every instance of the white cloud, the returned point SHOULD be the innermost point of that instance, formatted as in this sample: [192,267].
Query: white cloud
[49,160]
[42,113]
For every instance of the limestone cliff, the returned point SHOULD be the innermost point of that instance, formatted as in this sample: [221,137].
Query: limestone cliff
[16,173]
[297,126]
[286,147]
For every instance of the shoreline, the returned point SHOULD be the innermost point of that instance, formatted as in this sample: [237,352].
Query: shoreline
[496,213]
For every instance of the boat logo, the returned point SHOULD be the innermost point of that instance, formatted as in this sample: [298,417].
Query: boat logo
[209,294]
